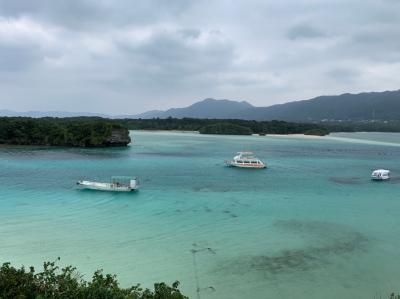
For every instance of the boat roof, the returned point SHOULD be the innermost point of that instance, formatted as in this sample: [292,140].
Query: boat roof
[245,153]
[381,170]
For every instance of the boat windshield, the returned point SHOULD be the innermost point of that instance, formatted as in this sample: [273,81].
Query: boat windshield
[246,156]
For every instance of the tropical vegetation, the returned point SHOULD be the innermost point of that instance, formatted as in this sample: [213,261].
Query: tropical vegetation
[98,132]
[391,126]
[226,129]
[223,126]
[77,132]
[54,282]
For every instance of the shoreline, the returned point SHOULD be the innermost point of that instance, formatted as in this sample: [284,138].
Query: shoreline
[173,131]
[294,135]
[256,135]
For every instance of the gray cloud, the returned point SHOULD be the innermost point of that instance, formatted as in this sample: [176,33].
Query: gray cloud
[304,31]
[16,58]
[92,14]
[345,75]
[76,55]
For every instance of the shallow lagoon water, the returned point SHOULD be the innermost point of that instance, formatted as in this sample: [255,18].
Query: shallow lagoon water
[312,225]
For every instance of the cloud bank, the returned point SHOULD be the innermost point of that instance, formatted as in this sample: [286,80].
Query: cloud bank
[131,56]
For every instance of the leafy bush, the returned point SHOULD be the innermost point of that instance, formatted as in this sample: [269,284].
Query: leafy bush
[67,283]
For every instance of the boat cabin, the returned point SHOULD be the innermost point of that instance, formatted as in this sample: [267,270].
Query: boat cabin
[246,160]
[124,181]
[380,175]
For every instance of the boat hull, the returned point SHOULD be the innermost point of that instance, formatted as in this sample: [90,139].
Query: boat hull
[380,178]
[104,186]
[251,166]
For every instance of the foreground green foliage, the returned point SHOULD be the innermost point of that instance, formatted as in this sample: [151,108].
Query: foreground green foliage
[67,283]
[80,132]
[223,126]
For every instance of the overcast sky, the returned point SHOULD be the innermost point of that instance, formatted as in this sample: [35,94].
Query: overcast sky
[126,56]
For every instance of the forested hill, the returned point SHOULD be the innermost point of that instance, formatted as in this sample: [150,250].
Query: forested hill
[208,108]
[347,107]
[76,132]
[367,106]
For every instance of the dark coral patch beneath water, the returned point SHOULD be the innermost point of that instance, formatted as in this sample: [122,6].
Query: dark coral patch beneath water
[210,188]
[345,181]
[324,242]
[305,258]
[166,154]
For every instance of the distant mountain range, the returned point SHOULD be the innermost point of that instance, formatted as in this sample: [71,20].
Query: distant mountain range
[208,108]
[363,106]
[36,114]
[353,107]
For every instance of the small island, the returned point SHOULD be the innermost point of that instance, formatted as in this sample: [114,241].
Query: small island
[225,129]
[225,126]
[103,132]
[71,132]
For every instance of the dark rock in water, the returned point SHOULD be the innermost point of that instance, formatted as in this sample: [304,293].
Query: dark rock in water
[119,137]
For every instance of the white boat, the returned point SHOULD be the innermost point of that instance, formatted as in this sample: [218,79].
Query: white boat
[246,160]
[380,175]
[118,184]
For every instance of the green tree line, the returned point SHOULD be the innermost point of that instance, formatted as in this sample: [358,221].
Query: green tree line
[392,126]
[79,132]
[224,126]
[98,132]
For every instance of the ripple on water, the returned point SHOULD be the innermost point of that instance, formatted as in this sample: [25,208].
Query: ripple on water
[394,180]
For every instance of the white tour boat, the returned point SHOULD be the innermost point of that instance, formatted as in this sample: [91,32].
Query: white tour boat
[380,175]
[118,183]
[246,160]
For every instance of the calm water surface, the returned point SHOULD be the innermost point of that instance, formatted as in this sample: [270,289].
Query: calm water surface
[312,225]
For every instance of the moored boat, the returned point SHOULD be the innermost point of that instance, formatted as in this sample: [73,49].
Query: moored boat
[246,160]
[380,175]
[117,184]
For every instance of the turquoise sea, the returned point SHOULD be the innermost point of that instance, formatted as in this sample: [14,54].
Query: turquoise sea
[312,225]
